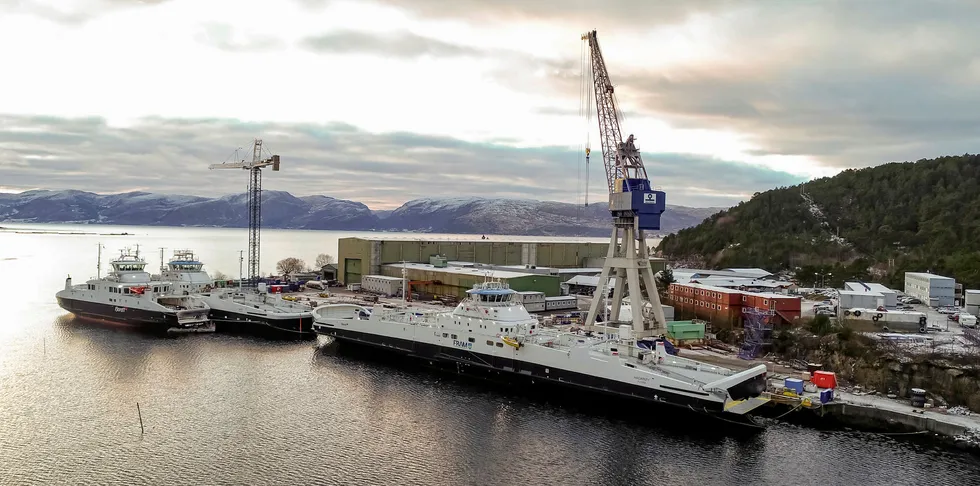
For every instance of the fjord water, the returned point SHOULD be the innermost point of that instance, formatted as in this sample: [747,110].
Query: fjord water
[235,410]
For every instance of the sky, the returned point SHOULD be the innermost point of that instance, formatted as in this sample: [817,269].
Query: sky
[383,101]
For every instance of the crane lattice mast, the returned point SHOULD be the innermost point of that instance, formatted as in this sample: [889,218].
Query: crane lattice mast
[634,205]
[254,202]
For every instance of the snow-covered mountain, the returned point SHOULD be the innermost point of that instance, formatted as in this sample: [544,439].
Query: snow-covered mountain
[283,210]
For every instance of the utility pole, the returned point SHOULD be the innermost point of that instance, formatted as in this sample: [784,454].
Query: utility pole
[98,263]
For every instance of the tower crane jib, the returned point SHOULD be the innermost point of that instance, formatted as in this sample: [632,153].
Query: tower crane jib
[254,167]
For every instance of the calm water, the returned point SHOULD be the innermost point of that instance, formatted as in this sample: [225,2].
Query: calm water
[231,410]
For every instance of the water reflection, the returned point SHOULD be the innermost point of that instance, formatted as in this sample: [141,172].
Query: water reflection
[237,410]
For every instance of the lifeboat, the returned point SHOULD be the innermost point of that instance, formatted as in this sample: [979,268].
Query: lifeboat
[511,342]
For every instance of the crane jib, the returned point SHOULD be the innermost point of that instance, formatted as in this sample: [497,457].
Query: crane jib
[630,192]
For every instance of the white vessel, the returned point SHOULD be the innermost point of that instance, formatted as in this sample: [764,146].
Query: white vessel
[255,311]
[245,310]
[491,335]
[128,295]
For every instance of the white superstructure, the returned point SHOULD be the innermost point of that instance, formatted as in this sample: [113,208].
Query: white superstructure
[187,273]
[492,332]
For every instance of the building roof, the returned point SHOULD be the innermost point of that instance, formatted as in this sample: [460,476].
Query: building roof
[479,272]
[722,290]
[868,287]
[929,276]
[477,239]
[771,295]
[589,280]
[750,273]
[754,272]
[741,282]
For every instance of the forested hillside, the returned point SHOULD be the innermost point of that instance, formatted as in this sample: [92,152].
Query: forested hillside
[898,217]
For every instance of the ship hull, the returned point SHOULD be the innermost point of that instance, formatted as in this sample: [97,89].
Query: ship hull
[142,318]
[273,327]
[515,373]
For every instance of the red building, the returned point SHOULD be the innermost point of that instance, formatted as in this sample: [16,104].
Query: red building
[713,304]
[785,308]
[724,306]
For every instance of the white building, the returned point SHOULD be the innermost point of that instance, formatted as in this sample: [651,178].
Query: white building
[859,299]
[934,290]
[890,296]
[382,284]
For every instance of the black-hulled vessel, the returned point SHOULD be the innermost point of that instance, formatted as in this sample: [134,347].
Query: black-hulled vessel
[129,295]
[247,310]
[256,311]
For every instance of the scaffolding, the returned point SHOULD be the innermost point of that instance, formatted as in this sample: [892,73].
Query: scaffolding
[758,332]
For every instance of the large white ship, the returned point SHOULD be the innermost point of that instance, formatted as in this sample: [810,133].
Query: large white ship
[491,335]
[128,295]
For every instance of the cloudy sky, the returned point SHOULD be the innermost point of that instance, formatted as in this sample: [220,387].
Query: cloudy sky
[382,101]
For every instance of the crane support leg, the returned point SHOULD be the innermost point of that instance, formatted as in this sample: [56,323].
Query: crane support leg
[627,258]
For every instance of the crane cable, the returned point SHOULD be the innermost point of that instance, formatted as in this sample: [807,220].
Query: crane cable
[585,106]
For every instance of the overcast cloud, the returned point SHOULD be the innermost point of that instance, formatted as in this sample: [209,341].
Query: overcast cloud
[381,170]
[385,101]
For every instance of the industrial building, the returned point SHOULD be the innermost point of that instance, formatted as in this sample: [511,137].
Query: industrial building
[452,281]
[366,256]
[750,279]
[934,290]
[972,301]
[725,306]
[860,295]
[858,299]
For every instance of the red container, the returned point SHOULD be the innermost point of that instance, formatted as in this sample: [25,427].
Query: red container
[824,379]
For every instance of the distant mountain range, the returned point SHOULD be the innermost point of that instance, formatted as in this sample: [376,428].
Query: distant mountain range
[472,215]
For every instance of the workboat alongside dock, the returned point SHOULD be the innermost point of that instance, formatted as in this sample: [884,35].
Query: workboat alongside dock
[250,310]
[491,336]
[255,311]
[128,295]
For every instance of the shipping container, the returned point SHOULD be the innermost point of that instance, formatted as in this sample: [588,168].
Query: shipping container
[889,320]
[382,284]
[534,306]
[560,303]
[531,296]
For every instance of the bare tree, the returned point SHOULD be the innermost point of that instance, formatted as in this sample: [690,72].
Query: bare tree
[322,260]
[290,265]
[218,275]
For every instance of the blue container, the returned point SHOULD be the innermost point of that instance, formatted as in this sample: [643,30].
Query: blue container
[826,395]
[794,384]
